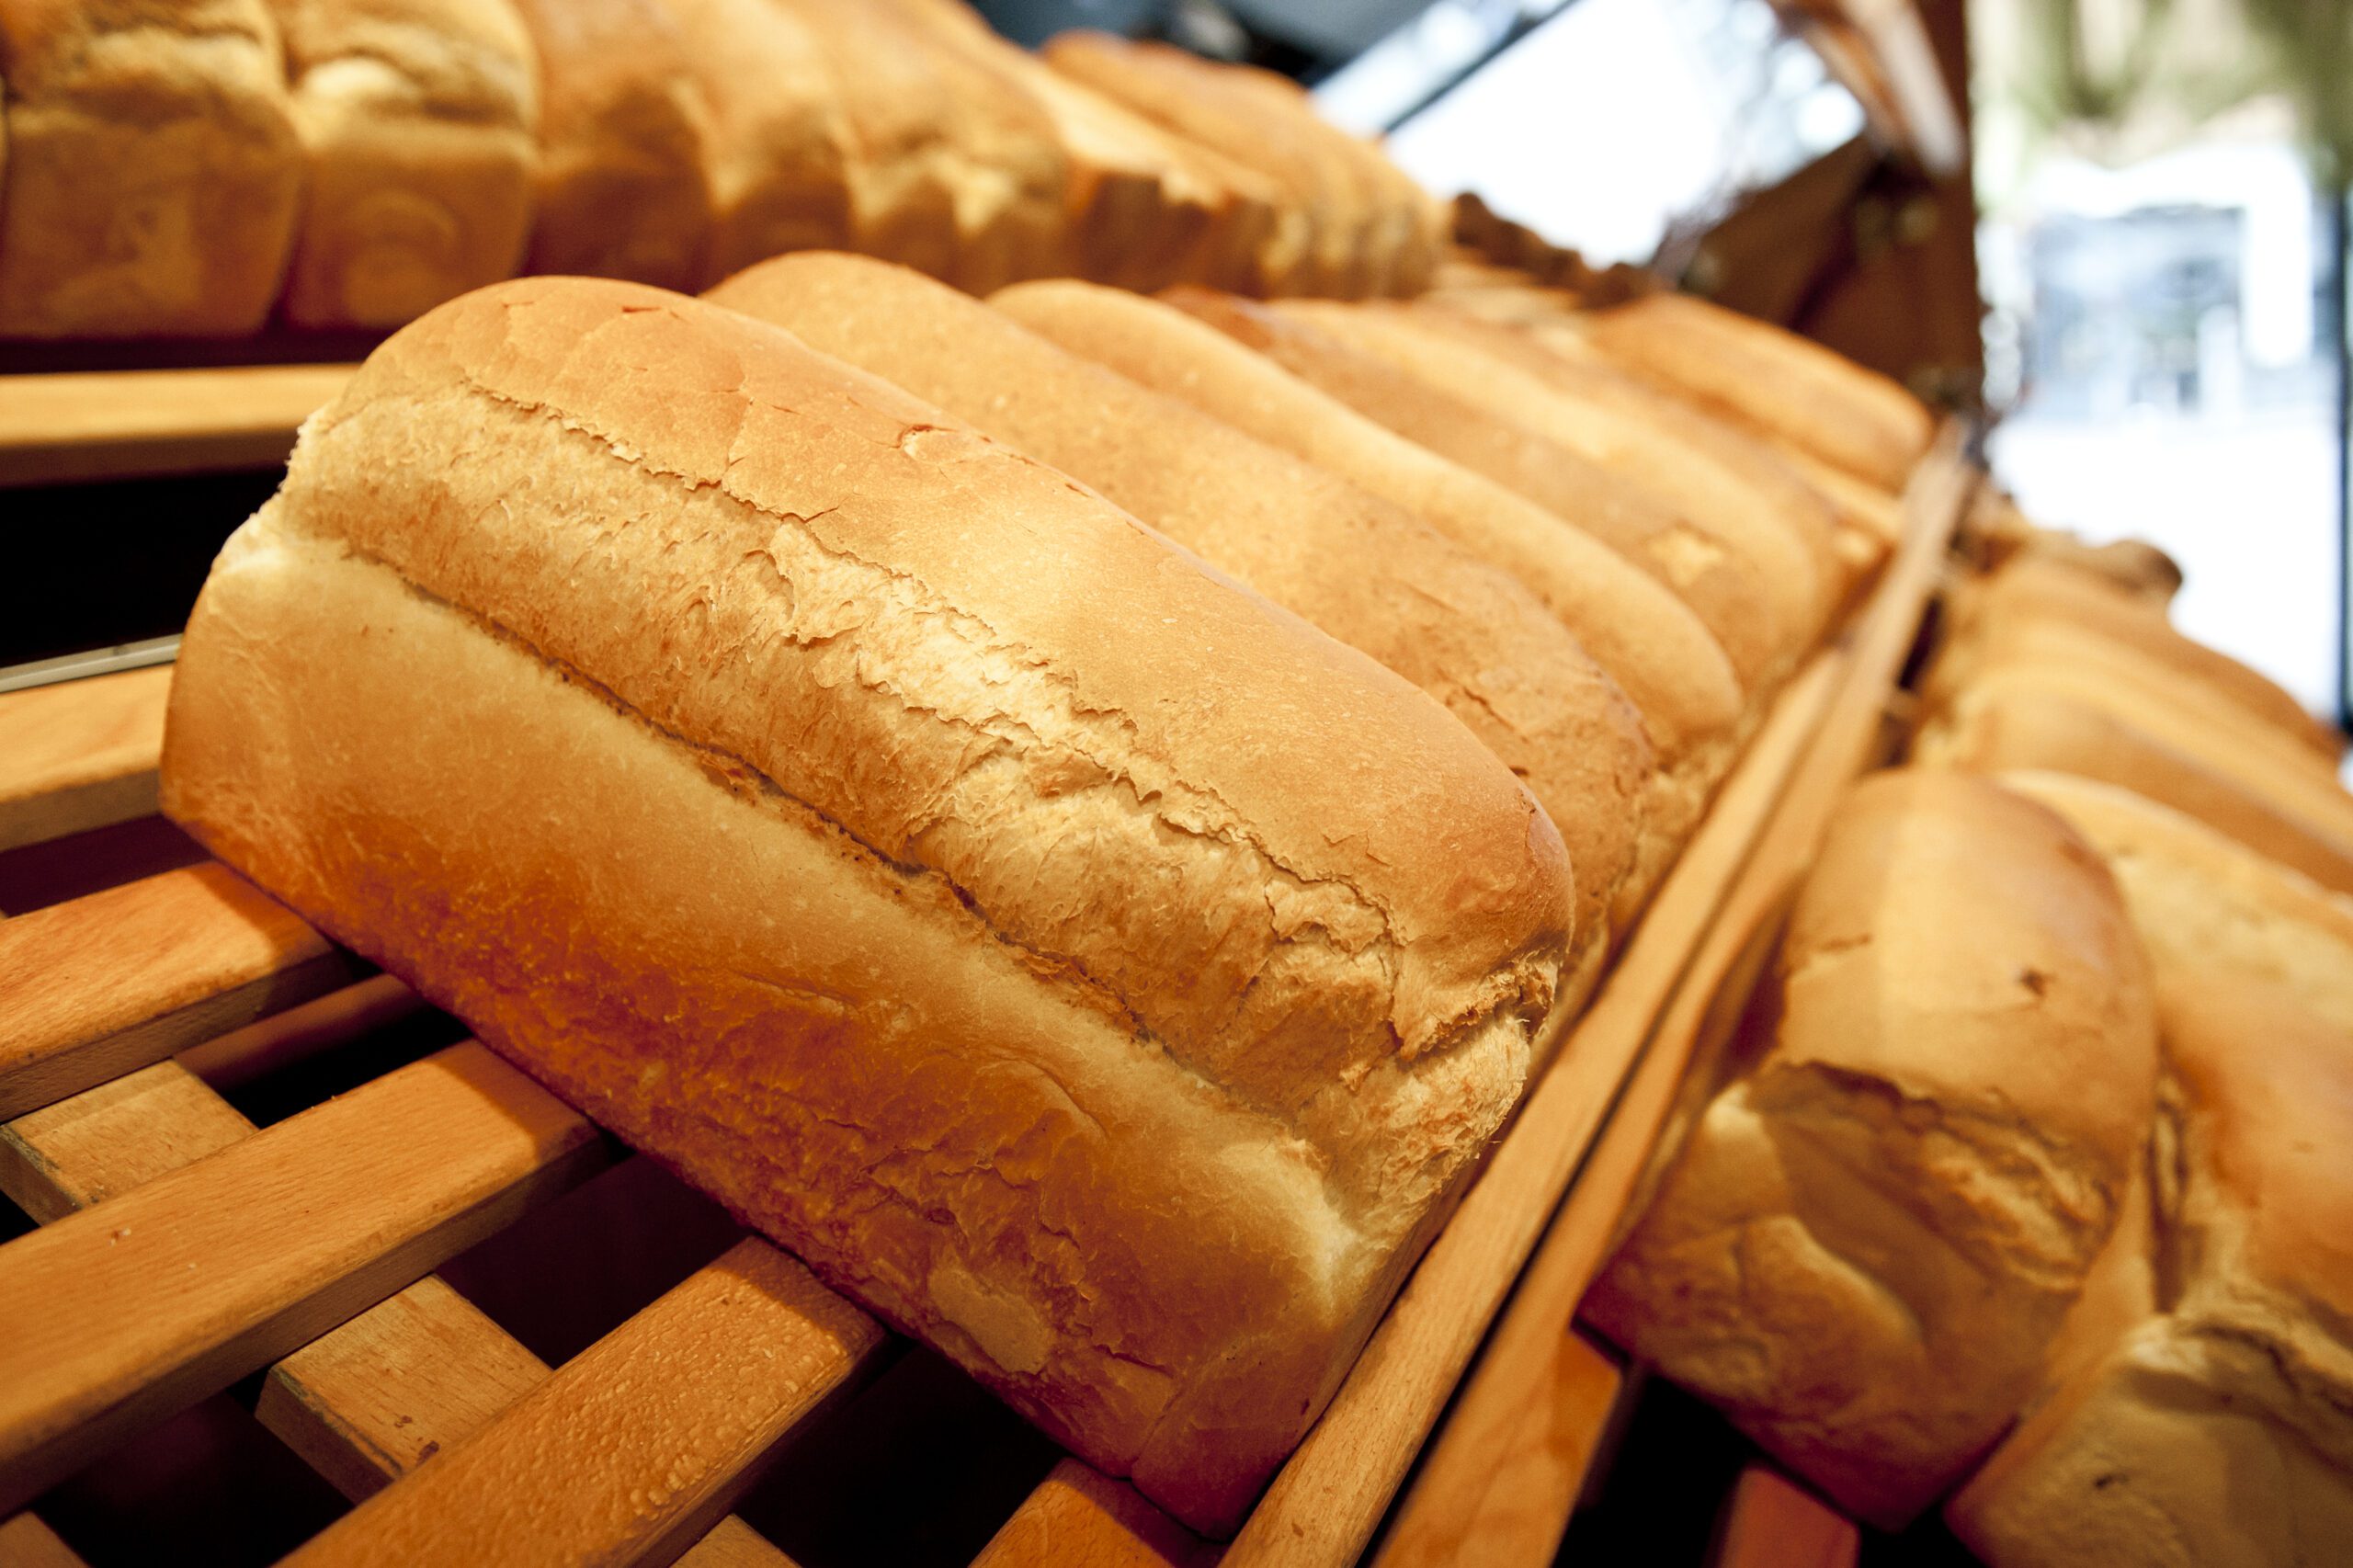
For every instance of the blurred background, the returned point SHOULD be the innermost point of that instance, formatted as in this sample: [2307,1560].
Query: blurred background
[2118,226]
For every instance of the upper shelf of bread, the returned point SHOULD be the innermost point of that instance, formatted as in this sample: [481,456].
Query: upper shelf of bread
[211,170]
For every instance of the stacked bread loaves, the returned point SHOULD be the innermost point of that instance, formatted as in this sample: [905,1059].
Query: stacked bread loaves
[1955,1231]
[189,169]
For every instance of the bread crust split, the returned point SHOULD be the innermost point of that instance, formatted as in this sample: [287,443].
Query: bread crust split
[1346,562]
[153,172]
[1088,966]
[2204,1418]
[1873,1233]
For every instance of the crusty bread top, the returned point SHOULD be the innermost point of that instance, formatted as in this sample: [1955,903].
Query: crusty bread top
[2203,899]
[1348,563]
[1270,854]
[2262,1091]
[2040,584]
[2018,1009]
[1770,377]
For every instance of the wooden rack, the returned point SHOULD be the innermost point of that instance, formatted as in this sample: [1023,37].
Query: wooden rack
[181,1249]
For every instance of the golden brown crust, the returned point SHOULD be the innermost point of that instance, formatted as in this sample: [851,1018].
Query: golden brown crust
[1657,646]
[2206,1417]
[1321,247]
[2040,716]
[152,171]
[419,120]
[779,155]
[2202,901]
[1772,380]
[1352,565]
[1784,533]
[888,758]
[623,187]
[1872,1237]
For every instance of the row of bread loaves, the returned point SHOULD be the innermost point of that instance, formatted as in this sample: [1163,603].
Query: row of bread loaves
[1953,1229]
[187,169]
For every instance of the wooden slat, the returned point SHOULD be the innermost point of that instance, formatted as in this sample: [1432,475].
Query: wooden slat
[1522,1511]
[109,1140]
[639,1443]
[1505,1394]
[80,754]
[366,1403]
[100,986]
[1325,1504]
[126,423]
[25,1542]
[1774,1523]
[125,1311]
[1080,1516]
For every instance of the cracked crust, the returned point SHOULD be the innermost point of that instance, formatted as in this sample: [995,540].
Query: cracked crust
[1871,1238]
[2209,1422]
[1353,566]
[1089,966]
[1603,561]
[152,171]
[419,121]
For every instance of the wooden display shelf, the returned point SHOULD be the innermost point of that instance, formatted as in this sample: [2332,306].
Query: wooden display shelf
[73,426]
[181,1249]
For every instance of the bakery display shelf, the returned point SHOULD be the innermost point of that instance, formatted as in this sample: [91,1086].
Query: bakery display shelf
[73,426]
[181,1249]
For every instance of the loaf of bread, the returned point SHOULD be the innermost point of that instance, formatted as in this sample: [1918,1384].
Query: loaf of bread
[419,123]
[1789,550]
[1867,1242]
[1609,394]
[1656,650]
[2209,1424]
[1352,565]
[2200,900]
[1091,968]
[1319,242]
[152,175]
[953,166]
[2052,585]
[624,183]
[1773,379]
[779,175]
[2035,715]
[1720,588]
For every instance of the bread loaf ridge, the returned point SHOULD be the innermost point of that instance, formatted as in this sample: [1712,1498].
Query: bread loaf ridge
[1093,968]
[1348,563]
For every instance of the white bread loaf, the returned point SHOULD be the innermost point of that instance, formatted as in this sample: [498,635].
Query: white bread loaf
[2201,900]
[1317,242]
[1093,968]
[1867,1243]
[624,181]
[954,167]
[1348,563]
[419,122]
[2213,1426]
[1785,536]
[153,174]
[779,156]
[1772,380]
[1719,588]
[2059,588]
[2039,715]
